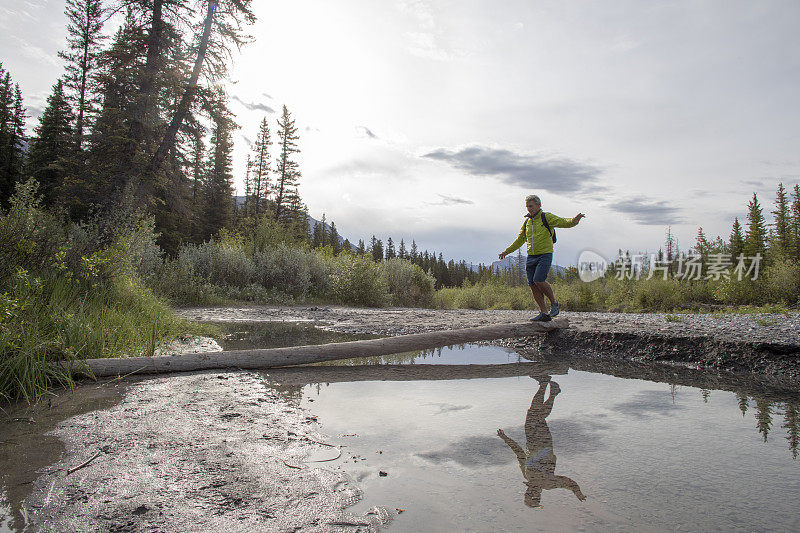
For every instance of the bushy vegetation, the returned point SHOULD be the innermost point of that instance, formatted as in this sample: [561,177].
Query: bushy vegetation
[779,286]
[232,268]
[70,292]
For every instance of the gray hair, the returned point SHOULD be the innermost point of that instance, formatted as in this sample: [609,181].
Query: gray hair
[534,198]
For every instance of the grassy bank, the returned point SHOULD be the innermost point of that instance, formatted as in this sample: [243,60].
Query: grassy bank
[778,288]
[69,292]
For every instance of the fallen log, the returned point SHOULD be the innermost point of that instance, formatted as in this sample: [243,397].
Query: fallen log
[298,355]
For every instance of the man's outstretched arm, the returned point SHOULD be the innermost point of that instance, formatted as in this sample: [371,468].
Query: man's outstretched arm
[516,448]
[516,244]
[559,222]
[566,483]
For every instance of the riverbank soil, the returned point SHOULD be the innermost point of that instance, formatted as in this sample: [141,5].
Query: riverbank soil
[202,452]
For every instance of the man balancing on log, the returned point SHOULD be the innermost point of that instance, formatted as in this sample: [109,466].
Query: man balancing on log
[538,231]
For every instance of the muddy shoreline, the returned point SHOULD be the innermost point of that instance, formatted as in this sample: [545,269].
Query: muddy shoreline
[231,450]
[764,343]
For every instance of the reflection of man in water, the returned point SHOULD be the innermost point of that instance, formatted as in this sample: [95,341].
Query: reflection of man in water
[538,462]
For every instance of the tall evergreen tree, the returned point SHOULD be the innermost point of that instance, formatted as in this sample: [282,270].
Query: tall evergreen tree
[402,253]
[781,242]
[794,225]
[334,239]
[111,143]
[390,251]
[361,249]
[219,185]
[287,173]
[703,246]
[756,236]
[12,135]
[197,173]
[227,19]
[53,152]
[261,166]
[414,254]
[296,216]
[246,208]
[736,241]
[82,57]
[376,248]
[316,235]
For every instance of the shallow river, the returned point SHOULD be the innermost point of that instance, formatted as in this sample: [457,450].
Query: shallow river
[515,446]
[572,451]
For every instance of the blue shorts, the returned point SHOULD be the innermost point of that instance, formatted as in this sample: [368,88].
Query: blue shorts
[537,267]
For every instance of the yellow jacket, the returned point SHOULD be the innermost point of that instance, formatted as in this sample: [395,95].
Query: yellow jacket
[533,232]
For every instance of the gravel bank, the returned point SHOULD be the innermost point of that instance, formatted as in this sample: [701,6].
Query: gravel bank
[763,343]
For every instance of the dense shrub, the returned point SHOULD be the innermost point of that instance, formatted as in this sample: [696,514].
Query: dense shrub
[284,268]
[357,280]
[781,282]
[407,283]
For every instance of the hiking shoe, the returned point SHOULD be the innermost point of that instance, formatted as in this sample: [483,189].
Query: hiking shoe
[541,317]
[555,307]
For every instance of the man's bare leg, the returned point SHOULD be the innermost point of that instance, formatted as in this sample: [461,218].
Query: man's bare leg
[539,297]
[546,289]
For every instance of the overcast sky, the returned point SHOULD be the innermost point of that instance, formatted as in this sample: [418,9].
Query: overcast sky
[432,120]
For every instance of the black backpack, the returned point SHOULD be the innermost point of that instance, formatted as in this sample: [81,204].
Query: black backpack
[545,224]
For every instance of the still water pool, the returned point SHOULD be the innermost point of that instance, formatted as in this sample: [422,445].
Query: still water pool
[560,449]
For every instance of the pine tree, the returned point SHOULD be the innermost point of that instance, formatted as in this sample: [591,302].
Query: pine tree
[781,242]
[296,216]
[361,249]
[287,173]
[82,59]
[402,253]
[112,148]
[12,135]
[219,186]
[670,250]
[414,255]
[390,251]
[334,239]
[703,246]
[376,248]
[755,238]
[53,151]
[226,17]
[261,166]
[736,241]
[794,226]
[248,189]
[197,172]
[316,236]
